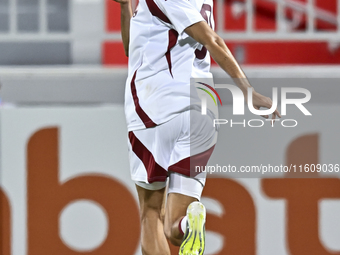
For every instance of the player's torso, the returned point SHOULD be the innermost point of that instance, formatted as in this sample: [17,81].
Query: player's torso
[156,47]
[161,63]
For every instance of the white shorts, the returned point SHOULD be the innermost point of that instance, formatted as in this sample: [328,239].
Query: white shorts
[178,183]
[172,147]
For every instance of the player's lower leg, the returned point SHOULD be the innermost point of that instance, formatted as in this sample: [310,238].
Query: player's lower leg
[176,208]
[194,238]
[153,240]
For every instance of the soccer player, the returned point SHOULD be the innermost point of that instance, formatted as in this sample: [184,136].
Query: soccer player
[161,40]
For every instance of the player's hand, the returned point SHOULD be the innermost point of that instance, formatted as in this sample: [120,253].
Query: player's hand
[122,1]
[262,101]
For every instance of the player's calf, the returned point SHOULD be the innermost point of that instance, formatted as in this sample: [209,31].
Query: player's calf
[174,233]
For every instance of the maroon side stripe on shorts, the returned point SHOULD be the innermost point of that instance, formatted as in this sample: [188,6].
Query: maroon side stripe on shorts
[173,35]
[155,172]
[188,165]
[155,11]
[142,115]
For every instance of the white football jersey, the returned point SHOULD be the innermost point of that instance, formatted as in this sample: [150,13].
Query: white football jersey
[162,59]
[201,68]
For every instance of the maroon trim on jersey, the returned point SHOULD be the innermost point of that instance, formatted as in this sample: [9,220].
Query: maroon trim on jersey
[173,35]
[205,8]
[142,115]
[201,54]
[155,172]
[187,166]
[155,11]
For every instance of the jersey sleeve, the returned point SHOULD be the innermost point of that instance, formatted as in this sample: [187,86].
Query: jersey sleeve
[181,13]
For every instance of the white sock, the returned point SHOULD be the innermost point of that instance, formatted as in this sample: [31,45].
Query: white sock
[184,224]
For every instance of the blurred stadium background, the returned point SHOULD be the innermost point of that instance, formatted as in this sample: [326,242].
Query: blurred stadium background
[64,180]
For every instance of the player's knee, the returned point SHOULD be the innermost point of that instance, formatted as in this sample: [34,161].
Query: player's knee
[151,211]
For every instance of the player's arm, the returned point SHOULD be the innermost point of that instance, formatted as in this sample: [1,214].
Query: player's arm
[126,14]
[203,34]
